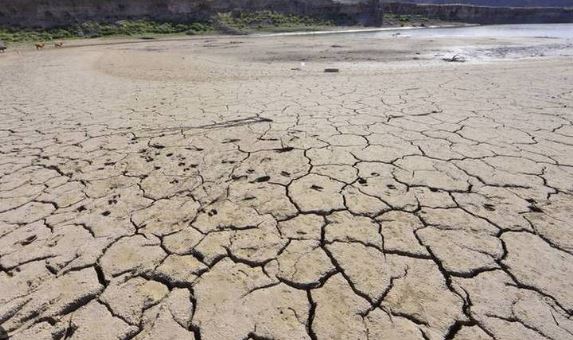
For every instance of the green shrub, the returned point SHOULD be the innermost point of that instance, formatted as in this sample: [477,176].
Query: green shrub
[239,21]
[268,20]
[91,29]
[198,28]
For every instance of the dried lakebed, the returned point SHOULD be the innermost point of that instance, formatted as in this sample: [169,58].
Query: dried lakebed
[220,189]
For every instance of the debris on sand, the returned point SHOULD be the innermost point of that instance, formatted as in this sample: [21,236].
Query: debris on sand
[331,70]
[455,59]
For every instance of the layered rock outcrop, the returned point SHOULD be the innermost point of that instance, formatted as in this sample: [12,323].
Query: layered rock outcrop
[51,13]
[484,14]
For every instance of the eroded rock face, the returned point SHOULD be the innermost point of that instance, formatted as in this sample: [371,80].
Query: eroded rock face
[346,12]
[434,204]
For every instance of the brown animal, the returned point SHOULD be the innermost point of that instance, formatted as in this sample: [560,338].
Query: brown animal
[39,46]
[59,44]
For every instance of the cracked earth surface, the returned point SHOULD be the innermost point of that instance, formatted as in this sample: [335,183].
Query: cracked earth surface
[174,190]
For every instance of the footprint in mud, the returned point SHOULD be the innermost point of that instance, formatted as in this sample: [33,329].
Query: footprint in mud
[285,149]
[489,207]
[28,240]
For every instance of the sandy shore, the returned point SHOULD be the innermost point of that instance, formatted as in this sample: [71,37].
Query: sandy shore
[229,188]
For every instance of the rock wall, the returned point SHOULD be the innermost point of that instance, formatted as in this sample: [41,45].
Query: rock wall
[50,13]
[497,3]
[485,15]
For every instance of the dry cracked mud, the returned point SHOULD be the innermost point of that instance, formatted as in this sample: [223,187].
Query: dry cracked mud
[205,189]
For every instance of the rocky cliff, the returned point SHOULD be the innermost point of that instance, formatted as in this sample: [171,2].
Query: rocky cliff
[485,15]
[497,3]
[50,13]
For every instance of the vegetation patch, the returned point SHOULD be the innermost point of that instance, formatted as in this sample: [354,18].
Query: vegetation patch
[228,23]
[391,19]
[236,22]
[94,29]
[270,21]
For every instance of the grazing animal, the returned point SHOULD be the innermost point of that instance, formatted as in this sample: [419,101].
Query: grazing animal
[59,44]
[39,46]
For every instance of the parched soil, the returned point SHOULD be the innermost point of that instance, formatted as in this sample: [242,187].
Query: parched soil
[229,188]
